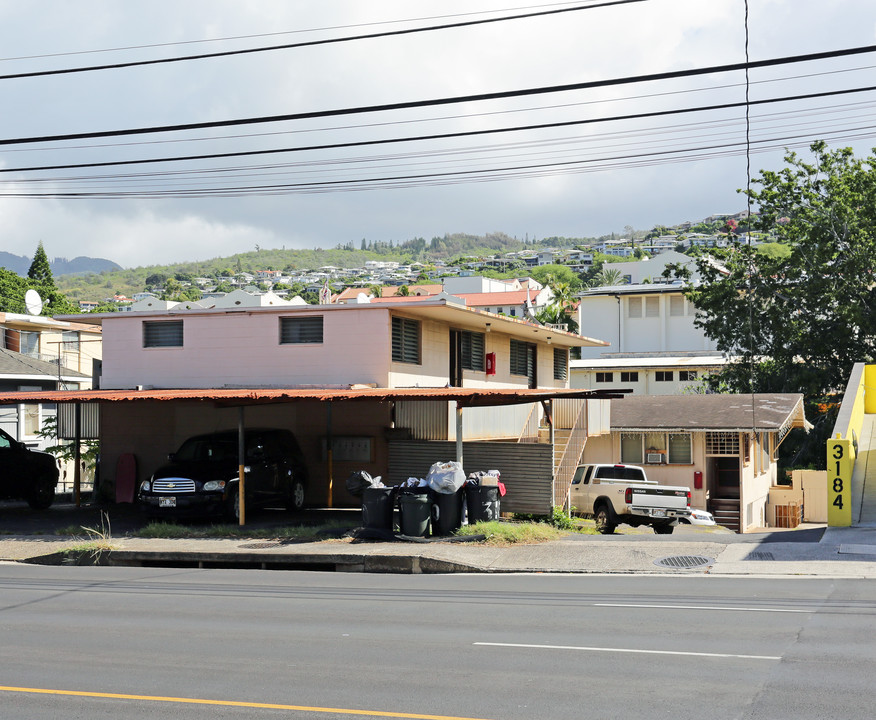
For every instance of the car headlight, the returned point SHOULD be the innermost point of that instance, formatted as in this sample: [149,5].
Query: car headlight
[214,485]
[145,486]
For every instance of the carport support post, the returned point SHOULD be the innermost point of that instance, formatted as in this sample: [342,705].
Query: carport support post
[458,433]
[328,451]
[77,468]
[241,474]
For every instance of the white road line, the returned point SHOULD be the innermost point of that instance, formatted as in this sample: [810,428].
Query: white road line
[701,607]
[629,650]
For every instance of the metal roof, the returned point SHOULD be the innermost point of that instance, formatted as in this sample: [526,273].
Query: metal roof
[465,397]
[729,413]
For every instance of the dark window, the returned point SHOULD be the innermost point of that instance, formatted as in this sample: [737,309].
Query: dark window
[406,340]
[472,350]
[604,377]
[301,330]
[629,377]
[687,374]
[520,358]
[166,333]
[664,376]
[561,364]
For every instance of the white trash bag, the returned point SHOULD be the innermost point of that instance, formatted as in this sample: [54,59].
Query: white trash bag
[445,477]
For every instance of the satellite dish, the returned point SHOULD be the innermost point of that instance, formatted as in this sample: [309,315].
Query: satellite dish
[33,302]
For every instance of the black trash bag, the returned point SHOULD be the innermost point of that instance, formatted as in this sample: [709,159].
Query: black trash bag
[358,481]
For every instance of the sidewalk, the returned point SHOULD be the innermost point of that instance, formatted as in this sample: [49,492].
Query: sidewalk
[807,552]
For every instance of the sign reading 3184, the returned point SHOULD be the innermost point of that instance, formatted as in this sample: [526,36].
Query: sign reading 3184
[840,459]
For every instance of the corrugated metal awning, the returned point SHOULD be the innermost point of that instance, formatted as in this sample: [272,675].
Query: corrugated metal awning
[465,397]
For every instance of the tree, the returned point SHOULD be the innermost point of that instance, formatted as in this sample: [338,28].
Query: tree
[607,277]
[550,274]
[40,271]
[798,323]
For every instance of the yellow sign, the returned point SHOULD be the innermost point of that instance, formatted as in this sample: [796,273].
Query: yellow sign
[840,461]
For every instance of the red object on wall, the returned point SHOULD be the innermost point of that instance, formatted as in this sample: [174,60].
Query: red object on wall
[491,363]
[698,480]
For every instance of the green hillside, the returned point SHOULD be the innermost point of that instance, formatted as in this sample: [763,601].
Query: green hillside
[99,286]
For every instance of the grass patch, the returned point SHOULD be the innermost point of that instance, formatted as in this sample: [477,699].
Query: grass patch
[287,532]
[513,533]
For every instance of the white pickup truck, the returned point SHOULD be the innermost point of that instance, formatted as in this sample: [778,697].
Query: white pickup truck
[616,494]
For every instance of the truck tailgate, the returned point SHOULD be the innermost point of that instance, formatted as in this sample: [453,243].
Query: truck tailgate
[660,496]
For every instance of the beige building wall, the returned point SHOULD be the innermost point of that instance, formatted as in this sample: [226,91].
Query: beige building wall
[243,349]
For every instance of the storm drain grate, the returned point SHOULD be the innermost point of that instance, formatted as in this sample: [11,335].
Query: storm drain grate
[684,561]
[760,556]
[260,546]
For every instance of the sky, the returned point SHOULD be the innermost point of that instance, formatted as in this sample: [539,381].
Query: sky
[601,172]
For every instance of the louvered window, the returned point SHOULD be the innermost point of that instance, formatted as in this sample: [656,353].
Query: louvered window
[561,364]
[521,358]
[166,333]
[472,350]
[301,330]
[406,340]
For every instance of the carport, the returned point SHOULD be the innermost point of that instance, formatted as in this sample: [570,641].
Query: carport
[83,420]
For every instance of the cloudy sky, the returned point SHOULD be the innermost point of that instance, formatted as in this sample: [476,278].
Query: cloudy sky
[585,178]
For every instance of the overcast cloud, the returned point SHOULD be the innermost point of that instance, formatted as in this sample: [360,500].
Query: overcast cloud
[586,199]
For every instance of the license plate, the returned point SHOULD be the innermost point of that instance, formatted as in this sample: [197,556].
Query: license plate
[167,502]
[659,513]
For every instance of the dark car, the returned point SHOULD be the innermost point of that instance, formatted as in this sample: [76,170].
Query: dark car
[202,477]
[27,474]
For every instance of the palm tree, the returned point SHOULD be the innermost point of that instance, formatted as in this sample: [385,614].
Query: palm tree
[608,276]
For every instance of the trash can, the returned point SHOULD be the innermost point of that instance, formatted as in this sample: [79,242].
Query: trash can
[378,504]
[446,511]
[413,508]
[482,503]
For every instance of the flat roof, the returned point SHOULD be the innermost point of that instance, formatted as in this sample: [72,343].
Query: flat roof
[439,307]
[465,397]
[649,362]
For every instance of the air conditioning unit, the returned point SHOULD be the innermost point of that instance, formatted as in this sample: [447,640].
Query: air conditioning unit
[655,458]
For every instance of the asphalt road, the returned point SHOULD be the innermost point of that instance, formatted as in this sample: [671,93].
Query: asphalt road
[138,643]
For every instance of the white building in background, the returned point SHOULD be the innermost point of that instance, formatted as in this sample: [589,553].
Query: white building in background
[655,318]
[655,347]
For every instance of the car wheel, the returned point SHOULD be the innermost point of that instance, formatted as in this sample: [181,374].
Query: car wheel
[295,501]
[232,505]
[603,521]
[43,494]
[664,529]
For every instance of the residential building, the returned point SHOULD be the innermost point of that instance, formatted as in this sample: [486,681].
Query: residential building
[724,447]
[391,349]
[646,373]
[645,318]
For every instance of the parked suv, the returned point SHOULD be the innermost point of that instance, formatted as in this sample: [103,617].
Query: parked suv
[26,474]
[202,476]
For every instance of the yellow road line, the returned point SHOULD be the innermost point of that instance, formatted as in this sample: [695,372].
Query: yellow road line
[230,703]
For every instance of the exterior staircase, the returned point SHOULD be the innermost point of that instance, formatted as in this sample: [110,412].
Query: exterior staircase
[725,512]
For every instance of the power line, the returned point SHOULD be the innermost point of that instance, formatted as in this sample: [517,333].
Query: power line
[442,136]
[688,131]
[270,34]
[443,178]
[310,43]
[391,123]
[503,95]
